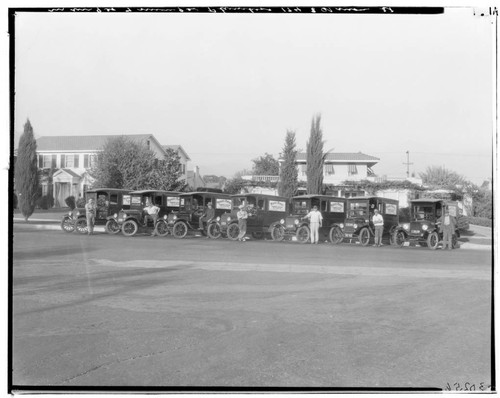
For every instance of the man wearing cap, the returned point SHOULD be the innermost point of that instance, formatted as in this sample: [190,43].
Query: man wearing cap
[378,223]
[315,221]
[242,222]
[208,215]
[447,225]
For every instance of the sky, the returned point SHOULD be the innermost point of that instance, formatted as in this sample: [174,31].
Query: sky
[227,87]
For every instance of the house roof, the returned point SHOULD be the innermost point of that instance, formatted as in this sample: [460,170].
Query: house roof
[83,142]
[343,157]
[177,148]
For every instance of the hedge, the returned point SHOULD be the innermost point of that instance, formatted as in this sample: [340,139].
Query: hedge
[481,221]
[80,203]
[45,202]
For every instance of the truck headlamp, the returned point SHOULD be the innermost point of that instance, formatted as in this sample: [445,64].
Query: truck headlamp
[406,226]
[296,222]
[282,221]
[425,227]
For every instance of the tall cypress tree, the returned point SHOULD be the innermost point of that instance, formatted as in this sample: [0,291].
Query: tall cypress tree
[315,157]
[26,172]
[287,185]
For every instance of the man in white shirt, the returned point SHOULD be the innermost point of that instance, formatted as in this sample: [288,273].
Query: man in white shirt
[378,222]
[315,221]
[151,213]
[242,222]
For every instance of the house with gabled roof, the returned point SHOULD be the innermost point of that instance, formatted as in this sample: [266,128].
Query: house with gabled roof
[72,156]
[339,167]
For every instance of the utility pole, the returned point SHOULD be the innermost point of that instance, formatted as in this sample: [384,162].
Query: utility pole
[407,164]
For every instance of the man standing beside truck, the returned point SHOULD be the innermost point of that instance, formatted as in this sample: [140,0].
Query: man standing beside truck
[378,223]
[447,225]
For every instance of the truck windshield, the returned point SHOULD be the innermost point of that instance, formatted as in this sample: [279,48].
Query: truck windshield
[423,212]
[357,209]
[249,201]
[301,207]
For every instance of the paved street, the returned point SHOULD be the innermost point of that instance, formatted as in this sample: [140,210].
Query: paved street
[148,311]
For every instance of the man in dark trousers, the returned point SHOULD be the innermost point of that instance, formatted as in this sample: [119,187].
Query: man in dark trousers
[447,227]
[208,215]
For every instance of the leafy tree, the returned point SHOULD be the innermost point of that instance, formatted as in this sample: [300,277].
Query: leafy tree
[244,172]
[288,181]
[483,204]
[235,185]
[315,157]
[440,177]
[124,163]
[266,165]
[219,181]
[167,175]
[26,172]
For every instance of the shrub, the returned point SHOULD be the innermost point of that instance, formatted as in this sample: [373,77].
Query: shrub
[80,203]
[481,221]
[70,202]
[463,223]
[45,202]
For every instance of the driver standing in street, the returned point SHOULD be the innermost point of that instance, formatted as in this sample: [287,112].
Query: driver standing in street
[90,210]
[447,225]
[315,221]
[208,215]
[378,223]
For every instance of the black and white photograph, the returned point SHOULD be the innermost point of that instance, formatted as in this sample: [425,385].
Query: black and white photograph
[234,199]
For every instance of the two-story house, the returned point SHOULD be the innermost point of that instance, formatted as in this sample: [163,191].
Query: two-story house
[72,156]
[339,167]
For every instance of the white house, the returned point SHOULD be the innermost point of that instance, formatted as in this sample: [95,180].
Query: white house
[72,156]
[339,167]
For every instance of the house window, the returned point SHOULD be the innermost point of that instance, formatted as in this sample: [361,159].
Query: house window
[47,161]
[303,169]
[329,170]
[77,158]
[63,161]
[86,163]
[93,160]
[70,160]
[183,168]
[45,189]
[353,169]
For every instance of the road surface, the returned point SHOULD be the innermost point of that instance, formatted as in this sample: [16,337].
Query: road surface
[147,311]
